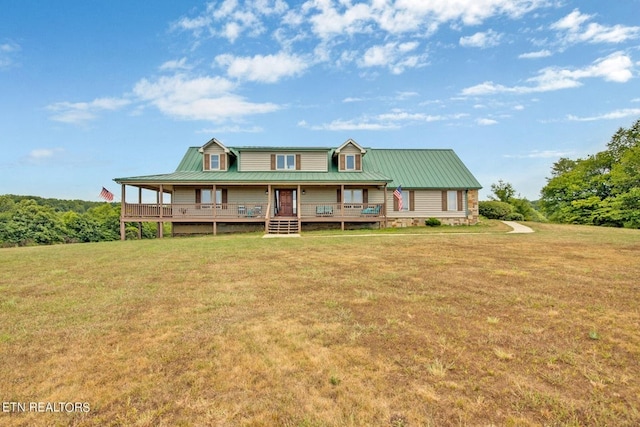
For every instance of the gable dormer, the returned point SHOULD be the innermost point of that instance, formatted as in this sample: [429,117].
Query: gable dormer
[349,156]
[215,156]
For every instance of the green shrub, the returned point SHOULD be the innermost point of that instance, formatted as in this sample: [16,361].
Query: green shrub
[515,216]
[432,222]
[495,210]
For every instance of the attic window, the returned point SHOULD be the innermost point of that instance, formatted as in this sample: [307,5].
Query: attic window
[350,162]
[285,161]
[214,162]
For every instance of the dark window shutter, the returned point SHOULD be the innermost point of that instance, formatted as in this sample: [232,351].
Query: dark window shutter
[459,200]
[358,162]
[365,196]
[273,162]
[207,162]
[396,204]
[339,196]
[198,198]
[444,201]
[298,163]
[412,201]
[223,196]
[223,163]
[342,159]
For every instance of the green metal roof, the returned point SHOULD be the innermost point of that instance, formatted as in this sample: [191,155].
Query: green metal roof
[421,168]
[434,169]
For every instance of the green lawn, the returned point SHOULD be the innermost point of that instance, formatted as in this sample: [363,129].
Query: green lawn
[450,326]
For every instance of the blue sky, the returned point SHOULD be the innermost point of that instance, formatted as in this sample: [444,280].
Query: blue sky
[92,90]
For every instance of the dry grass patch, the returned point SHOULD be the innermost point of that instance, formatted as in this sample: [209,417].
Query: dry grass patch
[478,329]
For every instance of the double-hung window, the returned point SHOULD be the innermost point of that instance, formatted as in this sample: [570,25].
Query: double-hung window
[353,196]
[452,200]
[214,162]
[350,162]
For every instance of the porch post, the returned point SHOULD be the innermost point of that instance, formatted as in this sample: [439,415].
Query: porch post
[161,205]
[139,223]
[386,224]
[215,209]
[342,207]
[267,216]
[298,206]
[122,212]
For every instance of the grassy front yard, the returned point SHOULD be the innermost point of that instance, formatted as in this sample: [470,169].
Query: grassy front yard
[327,330]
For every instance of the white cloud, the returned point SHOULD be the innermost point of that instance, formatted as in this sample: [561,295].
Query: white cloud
[482,40]
[617,114]
[486,122]
[199,98]
[539,154]
[7,53]
[42,155]
[263,68]
[392,55]
[230,19]
[393,120]
[535,55]
[231,129]
[575,31]
[614,68]
[350,125]
[82,112]
[179,64]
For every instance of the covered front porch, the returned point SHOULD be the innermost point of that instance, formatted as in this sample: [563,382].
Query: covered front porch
[253,204]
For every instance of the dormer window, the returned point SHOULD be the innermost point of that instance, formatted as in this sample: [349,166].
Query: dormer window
[350,162]
[285,161]
[214,162]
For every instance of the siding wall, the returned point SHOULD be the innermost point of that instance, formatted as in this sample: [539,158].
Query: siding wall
[428,204]
[310,161]
[350,149]
[321,195]
[234,194]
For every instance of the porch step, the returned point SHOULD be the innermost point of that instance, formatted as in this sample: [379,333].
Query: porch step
[283,226]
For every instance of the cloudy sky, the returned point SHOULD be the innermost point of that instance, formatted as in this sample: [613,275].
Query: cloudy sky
[92,90]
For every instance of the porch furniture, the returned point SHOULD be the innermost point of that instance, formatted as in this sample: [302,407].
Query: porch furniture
[371,210]
[324,210]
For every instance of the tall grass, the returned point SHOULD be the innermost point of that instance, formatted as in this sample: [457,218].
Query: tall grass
[429,329]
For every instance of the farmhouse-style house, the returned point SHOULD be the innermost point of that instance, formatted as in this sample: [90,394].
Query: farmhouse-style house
[288,189]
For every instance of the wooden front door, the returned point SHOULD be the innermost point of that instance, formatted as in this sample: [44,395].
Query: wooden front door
[286,203]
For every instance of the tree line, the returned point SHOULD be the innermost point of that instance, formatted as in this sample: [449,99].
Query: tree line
[27,220]
[601,189]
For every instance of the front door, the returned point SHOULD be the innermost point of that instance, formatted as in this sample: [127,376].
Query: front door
[286,203]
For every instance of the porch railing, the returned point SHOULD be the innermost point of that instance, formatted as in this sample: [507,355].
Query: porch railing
[195,210]
[341,210]
[178,211]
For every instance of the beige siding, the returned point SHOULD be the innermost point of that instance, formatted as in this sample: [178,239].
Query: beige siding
[247,194]
[428,204]
[184,195]
[350,149]
[320,195]
[312,161]
[234,194]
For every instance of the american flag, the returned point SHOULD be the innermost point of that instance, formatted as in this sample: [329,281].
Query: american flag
[397,193]
[106,194]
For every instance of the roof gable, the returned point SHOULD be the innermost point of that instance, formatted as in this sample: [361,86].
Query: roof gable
[352,143]
[213,141]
